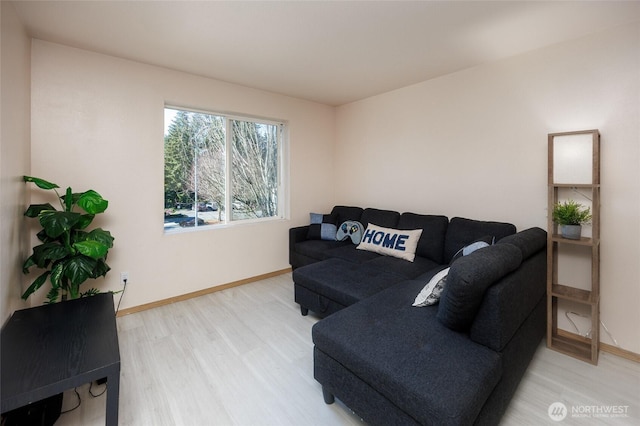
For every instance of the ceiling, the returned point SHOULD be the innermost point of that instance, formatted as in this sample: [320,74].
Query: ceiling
[333,52]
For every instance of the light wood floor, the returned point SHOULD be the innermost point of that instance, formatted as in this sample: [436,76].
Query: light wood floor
[243,356]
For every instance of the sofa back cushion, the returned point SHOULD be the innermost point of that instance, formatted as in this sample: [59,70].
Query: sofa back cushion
[508,303]
[384,218]
[529,241]
[461,232]
[434,228]
[469,277]
[342,213]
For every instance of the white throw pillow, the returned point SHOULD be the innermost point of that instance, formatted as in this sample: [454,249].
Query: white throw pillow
[430,294]
[393,242]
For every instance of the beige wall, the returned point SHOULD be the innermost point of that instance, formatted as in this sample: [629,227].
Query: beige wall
[14,155]
[97,123]
[474,144]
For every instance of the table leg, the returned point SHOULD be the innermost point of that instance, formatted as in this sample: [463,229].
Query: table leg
[113,391]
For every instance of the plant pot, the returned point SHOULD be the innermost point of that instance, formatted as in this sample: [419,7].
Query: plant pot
[571,232]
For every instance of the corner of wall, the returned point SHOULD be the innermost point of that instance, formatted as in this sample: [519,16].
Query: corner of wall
[15,130]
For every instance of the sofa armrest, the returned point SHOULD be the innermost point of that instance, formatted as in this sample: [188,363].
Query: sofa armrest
[297,235]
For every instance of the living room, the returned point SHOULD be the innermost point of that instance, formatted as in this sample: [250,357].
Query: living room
[470,143]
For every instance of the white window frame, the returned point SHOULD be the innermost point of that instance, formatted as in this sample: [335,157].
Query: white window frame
[283,171]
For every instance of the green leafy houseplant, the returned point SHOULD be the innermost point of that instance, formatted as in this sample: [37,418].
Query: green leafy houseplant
[69,253]
[571,213]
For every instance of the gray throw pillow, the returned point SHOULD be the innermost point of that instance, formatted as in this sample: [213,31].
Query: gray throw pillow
[322,227]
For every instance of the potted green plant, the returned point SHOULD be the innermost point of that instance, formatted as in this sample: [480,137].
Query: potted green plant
[69,253]
[570,216]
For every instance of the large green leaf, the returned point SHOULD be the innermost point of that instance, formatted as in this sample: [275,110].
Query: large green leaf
[91,248]
[92,202]
[37,283]
[57,273]
[28,264]
[35,209]
[40,183]
[101,269]
[43,237]
[101,236]
[74,291]
[79,269]
[85,220]
[47,252]
[56,223]
[78,235]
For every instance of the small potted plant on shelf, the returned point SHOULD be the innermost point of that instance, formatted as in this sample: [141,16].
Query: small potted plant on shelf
[570,216]
[69,253]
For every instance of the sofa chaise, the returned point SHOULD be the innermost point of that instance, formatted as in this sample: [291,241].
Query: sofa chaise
[455,362]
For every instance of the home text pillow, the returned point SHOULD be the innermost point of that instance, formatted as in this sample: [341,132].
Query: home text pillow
[399,243]
[322,227]
[430,294]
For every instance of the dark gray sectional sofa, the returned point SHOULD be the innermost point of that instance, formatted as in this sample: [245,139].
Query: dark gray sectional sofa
[454,363]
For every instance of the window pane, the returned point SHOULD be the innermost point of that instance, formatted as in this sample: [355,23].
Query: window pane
[209,179]
[254,171]
[194,169]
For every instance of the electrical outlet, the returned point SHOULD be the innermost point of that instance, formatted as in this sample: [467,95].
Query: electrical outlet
[124,278]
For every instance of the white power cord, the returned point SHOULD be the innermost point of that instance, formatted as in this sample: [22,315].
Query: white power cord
[588,333]
[575,189]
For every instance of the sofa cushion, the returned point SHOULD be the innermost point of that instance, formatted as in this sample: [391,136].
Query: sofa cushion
[507,304]
[469,278]
[434,228]
[529,241]
[390,242]
[322,227]
[318,249]
[409,270]
[342,281]
[351,254]
[461,232]
[406,355]
[343,213]
[386,218]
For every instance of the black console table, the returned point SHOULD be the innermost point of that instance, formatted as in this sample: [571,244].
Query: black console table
[52,348]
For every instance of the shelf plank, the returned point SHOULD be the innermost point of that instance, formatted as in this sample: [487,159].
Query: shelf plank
[575,185]
[572,293]
[577,346]
[583,241]
[573,347]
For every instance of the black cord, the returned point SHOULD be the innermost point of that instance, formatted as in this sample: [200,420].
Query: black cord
[80,399]
[97,395]
[124,287]
[79,402]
